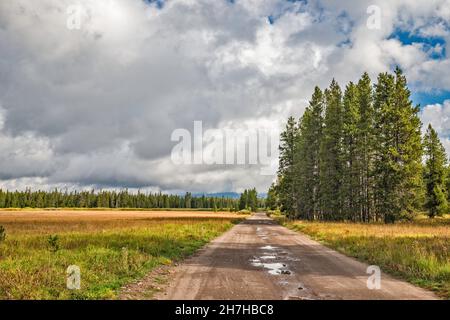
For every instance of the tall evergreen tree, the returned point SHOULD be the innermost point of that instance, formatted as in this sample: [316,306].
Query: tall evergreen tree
[434,175]
[365,145]
[272,197]
[331,155]
[243,200]
[409,147]
[307,157]
[382,170]
[286,166]
[398,163]
[350,155]
[253,199]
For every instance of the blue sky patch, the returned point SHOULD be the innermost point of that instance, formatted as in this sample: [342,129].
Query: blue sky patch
[158,3]
[408,38]
[282,9]
[425,98]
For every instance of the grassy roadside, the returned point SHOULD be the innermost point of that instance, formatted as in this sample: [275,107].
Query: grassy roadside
[109,255]
[418,252]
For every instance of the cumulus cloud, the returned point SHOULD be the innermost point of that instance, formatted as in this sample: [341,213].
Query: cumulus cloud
[97,106]
[438,115]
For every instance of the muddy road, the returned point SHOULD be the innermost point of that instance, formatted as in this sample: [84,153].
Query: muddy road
[259,259]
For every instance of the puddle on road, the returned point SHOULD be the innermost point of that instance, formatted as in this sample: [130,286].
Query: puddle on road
[255,262]
[269,254]
[268,248]
[274,268]
[267,257]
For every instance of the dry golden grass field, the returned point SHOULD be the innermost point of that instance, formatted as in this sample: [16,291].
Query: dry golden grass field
[418,251]
[112,248]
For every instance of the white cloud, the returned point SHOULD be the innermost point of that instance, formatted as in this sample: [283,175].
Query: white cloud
[438,115]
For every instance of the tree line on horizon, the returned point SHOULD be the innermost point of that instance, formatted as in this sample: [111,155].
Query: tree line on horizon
[124,199]
[359,155]
[111,199]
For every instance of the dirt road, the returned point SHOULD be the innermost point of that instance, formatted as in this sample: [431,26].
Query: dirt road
[259,259]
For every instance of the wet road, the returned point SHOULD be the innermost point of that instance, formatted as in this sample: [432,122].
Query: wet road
[259,259]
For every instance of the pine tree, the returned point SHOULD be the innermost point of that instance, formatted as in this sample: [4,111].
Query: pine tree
[253,200]
[350,157]
[272,197]
[307,157]
[286,165]
[409,146]
[382,171]
[330,155]
[365,146]
[243,200]
[434,175]
[399,150]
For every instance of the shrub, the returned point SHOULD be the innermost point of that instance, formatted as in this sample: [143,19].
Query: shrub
[276,212]
[53,243]
[2,233]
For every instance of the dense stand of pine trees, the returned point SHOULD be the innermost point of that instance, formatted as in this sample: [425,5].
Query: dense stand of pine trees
[111,199]
[249,200]
[358,155]
[123,199]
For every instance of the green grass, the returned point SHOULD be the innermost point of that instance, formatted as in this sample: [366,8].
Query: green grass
[30,270]
[418,252]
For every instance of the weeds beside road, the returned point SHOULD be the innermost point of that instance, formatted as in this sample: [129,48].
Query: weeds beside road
[418,251]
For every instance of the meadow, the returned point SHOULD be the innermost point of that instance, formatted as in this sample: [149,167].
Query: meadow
[417,251]
[111,248]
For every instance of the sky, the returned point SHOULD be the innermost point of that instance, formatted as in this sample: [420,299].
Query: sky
[91,91]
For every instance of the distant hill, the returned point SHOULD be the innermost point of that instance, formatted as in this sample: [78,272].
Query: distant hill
[231,195]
